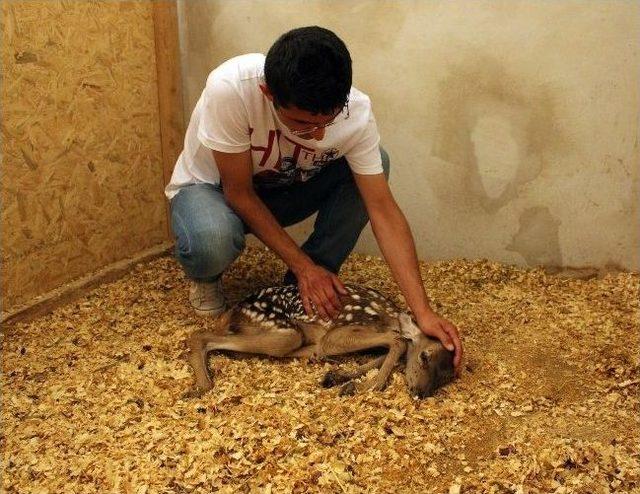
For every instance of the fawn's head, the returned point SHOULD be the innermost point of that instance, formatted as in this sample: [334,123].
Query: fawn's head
[429,363]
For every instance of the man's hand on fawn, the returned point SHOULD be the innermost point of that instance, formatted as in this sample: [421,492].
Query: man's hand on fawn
[319,290]
[438,327]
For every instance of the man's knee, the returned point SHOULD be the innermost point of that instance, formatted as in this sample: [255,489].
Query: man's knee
[207,250]
[386,163]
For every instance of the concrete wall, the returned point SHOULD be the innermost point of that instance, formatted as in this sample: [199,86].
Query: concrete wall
[512,126]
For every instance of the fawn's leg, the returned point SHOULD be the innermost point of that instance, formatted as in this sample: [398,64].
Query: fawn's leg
[308,351]
[397,348]
[275,342]
[349,339]
[335,377]
[313,334]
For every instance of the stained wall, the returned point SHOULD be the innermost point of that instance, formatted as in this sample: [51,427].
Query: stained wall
[512,126]
[81,182]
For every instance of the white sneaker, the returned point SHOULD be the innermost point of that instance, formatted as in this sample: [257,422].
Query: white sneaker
[207,297]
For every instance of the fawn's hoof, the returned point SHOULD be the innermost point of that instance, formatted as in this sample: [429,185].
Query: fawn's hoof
[333,378]
[348,389]
[192,393]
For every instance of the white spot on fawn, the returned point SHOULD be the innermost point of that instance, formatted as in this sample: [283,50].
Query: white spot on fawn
[369,310]
[348,317]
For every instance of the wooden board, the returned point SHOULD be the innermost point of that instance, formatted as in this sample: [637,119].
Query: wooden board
[165,22]
[82,171]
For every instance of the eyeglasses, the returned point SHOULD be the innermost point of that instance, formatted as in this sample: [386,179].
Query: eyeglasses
[318,127]
[311,129]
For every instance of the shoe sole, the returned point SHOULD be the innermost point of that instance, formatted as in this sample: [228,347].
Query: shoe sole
[209,312]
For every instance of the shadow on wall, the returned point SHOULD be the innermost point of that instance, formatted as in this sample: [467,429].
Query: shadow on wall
[537,239]
[501,130]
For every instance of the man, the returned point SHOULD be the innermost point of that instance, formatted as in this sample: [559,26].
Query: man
[272,141]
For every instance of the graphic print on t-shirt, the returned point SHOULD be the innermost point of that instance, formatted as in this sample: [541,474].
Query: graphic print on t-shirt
[282,161]
[232,102]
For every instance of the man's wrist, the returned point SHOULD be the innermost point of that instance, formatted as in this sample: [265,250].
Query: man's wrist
[300,264]
[424,314]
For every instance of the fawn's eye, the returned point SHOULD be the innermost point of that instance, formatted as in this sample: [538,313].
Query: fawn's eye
[424,358]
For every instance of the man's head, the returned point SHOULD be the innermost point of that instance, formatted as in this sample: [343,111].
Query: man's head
[308,77]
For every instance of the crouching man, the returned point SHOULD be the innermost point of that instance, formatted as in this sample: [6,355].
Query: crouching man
[271,141]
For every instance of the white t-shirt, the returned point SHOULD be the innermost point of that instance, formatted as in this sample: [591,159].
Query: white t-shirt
[233,115]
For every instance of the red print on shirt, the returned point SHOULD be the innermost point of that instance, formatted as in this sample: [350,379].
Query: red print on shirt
[274,136]
[287,170]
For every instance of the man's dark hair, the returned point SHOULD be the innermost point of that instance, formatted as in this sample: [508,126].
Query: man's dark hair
[310,68]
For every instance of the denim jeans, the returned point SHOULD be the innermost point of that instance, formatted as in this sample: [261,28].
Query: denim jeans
[210,235]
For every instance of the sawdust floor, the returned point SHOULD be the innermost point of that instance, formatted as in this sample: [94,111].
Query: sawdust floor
[547,401]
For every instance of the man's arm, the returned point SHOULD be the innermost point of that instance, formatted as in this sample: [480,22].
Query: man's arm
[317,285]
[396,242]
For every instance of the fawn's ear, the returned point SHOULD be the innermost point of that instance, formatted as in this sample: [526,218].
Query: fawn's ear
[408,329]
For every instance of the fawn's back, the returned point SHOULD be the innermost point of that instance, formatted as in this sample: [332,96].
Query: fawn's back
[281,307]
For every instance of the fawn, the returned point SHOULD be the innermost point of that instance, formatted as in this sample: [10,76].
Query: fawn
[273,322]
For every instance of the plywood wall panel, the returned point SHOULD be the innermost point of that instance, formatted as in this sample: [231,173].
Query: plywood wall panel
[82,174]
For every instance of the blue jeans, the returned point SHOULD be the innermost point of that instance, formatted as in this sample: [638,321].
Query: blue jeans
[210,235]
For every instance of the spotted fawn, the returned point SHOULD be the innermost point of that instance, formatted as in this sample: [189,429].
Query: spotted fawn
[273,322]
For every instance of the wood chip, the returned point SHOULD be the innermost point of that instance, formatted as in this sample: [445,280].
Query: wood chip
[547,400]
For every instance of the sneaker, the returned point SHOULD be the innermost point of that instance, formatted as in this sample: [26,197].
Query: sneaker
[206,297]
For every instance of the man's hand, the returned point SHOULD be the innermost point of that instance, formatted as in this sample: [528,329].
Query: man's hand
[438,327]
[398,248]
[319,289]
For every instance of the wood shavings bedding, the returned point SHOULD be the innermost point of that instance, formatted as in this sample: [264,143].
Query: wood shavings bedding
[547,400]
